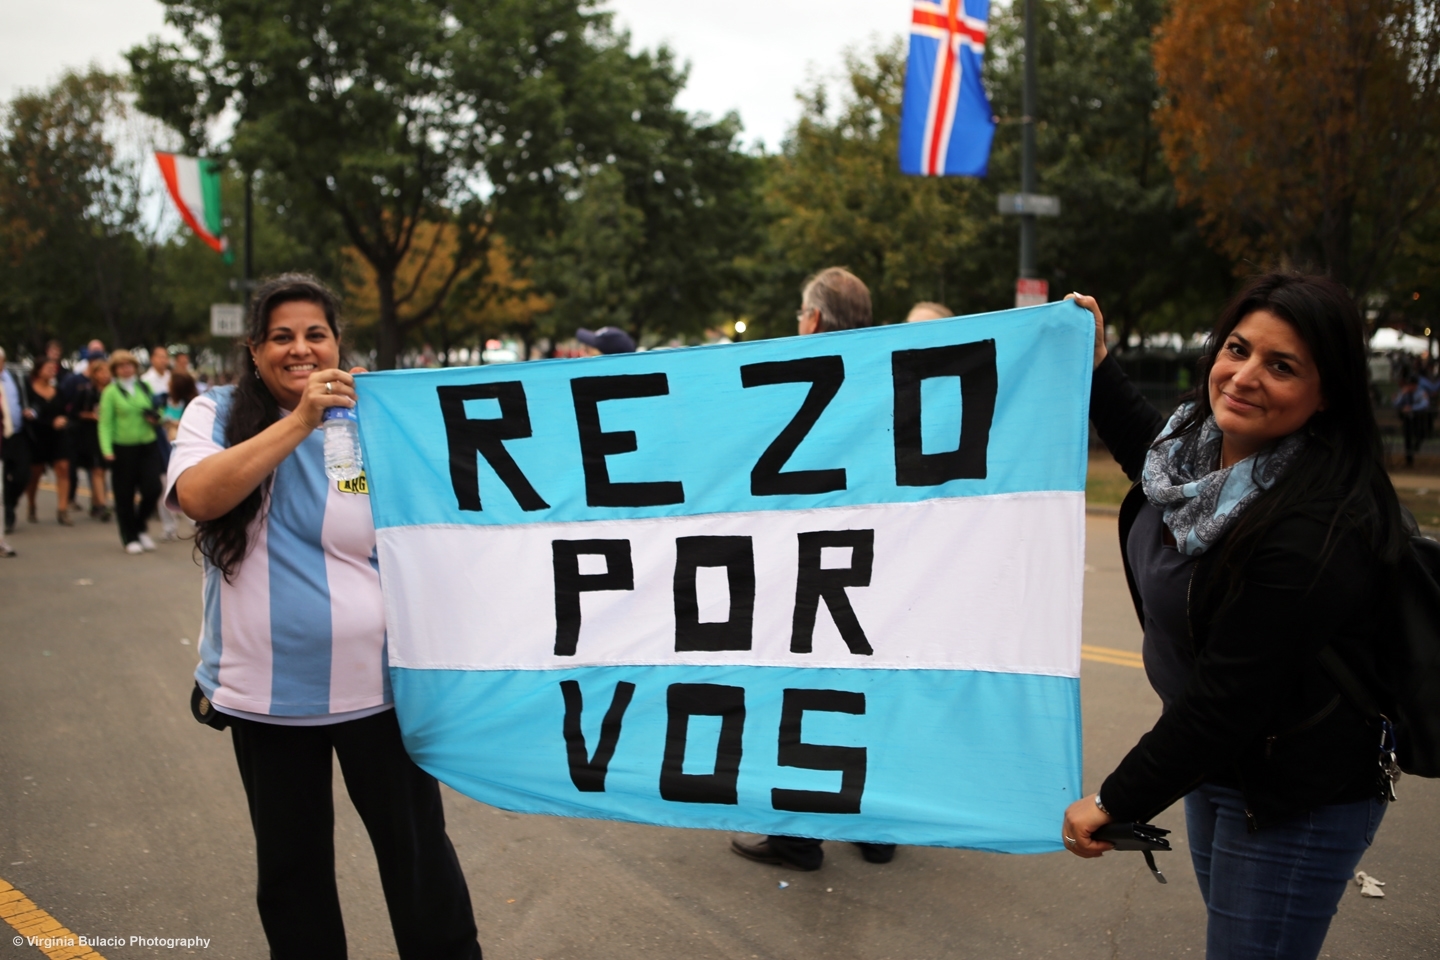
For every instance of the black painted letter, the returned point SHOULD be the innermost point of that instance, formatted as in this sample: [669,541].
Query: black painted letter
[466,437]
[974,364]
[686,700]
[587,772]
[825,374]
[737,556]
[815,582]
[570,582]
[850,761]
[596,445]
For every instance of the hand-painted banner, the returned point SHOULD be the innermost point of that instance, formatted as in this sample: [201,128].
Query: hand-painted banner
[825,586]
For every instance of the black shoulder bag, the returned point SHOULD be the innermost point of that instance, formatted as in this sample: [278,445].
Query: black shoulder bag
[1409,668]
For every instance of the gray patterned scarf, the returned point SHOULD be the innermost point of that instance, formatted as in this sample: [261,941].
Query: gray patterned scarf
[1199,498]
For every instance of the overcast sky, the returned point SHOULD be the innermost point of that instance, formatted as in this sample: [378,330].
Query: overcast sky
[745,55]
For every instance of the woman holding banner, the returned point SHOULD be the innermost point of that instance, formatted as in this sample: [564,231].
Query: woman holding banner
[1258,534]
[293,642]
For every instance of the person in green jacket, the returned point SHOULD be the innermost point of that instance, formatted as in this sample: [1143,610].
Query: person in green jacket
[128,443]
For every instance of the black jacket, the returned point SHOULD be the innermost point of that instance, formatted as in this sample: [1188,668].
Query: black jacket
[1259,713]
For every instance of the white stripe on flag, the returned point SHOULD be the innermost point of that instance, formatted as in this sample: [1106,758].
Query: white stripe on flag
[483,598]
[187,178]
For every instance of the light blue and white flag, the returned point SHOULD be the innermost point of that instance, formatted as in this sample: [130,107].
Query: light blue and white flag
[824,586]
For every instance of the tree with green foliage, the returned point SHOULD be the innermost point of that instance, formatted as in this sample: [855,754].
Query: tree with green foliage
[652,236]
[835,194]
[1122,235]
[373,117]
[472,115]
[76,258]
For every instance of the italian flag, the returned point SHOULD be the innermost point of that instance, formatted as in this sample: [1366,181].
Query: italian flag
[194,185]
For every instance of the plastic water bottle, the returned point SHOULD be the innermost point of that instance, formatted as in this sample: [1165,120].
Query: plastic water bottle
[342,443]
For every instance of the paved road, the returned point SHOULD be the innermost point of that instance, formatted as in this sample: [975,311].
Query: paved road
[121,816]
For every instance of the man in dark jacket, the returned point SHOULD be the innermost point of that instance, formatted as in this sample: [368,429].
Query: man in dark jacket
[15,448]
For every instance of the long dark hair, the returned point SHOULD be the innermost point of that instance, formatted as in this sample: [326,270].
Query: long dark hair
[225,540]
[1344,462]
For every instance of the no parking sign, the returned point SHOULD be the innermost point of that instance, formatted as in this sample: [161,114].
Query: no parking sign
[825,586]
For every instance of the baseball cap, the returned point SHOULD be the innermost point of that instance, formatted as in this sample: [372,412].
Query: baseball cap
[607,340]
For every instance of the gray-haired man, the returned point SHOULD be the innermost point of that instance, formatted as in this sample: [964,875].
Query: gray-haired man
[833,299]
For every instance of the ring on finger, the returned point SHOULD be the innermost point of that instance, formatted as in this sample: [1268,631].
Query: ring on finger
[1069,839]
[329,386]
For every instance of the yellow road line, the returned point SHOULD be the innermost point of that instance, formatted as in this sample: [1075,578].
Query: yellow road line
[53,939]
[1120,658]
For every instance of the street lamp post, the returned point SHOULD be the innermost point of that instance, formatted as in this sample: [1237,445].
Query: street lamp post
[1027,204]
[249,262]
[1027,146]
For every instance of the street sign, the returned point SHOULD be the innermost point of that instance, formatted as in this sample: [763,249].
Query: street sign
[1031,293]
[227,320]
[1037,204]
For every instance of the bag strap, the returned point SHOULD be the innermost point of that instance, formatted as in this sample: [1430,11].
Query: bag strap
[1348,683]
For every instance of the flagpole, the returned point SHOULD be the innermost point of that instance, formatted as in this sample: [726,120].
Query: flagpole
[248,261]
[1027,146]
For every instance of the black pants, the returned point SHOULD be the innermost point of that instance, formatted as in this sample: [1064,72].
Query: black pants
[16,456]
[1413,427]
[808,854]
[287,775]
[136,467]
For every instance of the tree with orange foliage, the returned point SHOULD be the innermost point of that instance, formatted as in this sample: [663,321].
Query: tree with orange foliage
[1306,131]
[484,299]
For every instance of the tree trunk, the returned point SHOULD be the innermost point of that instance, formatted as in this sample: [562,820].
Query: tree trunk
[387,340]
[1336,233]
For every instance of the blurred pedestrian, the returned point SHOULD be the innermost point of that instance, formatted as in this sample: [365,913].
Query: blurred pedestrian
[181,392]
[1262,531]
[833,299]
[295,664]
[1429,381]
[157,378]
[605,340]
[52,441]
[87,434]
[1413,405]
[94,350]
[9,428]
[128,421]
[928,310]
[15,454]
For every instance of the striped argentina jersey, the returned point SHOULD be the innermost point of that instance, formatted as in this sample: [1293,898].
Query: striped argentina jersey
[300,633]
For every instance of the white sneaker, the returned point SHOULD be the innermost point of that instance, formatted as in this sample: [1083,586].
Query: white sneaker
[171,536]
[133,547]
[145,542]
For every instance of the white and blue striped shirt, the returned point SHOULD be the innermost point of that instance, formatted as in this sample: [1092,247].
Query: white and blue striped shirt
[299,636]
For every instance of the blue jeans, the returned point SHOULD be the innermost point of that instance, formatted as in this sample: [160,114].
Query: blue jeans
[1271,894]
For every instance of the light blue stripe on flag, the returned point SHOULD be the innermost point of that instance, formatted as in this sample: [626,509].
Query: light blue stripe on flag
[708,431]
[952,757]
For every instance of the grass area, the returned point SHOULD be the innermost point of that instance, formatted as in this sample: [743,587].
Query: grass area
[1424,502]
[1105,482]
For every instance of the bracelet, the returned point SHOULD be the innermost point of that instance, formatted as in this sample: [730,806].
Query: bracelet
[1101,805]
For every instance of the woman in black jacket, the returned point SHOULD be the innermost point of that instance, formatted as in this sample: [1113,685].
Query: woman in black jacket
[1258,534]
